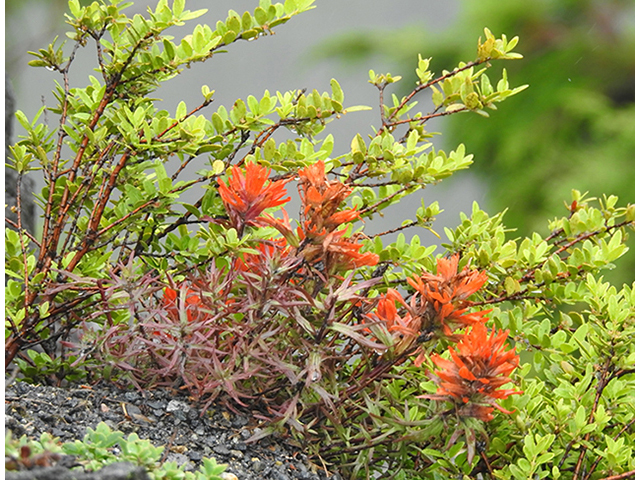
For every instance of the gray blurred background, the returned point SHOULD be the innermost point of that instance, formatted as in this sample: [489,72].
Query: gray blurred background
[573,128]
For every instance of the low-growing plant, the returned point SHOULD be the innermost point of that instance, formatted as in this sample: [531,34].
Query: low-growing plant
[505,358]
[101,447]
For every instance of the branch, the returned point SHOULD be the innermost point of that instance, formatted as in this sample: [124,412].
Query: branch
[44,248]
[26,232]
[602,383]
[529,275]
[595,464]
[49,252]
[397,229]
[424,118]
[629,474]
[419,88]
[381,104]
[96,214]
[374,206]
[23,247]
[85,189]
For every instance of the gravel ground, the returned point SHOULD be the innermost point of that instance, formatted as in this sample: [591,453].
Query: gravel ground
[166,418]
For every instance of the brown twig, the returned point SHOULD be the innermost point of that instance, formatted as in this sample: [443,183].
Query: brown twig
[23,247]
[25,232]
[374,206]
[85,189]
[53,173]
[96,214]
[524,294]
[397,229]
[383,120]
[629,474]
[424,118]
[580,238]
[487,463]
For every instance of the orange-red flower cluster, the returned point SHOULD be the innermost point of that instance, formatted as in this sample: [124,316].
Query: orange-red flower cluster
[318,238]
[192,304]
[479,365]
[249,194]
[321,199]
[403,329]
[448,291]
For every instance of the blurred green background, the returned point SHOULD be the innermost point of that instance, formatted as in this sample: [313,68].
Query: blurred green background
[573,128]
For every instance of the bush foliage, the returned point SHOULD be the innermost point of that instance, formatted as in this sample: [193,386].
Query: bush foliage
[506,358]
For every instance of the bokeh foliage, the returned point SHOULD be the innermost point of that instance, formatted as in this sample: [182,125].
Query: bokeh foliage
[572,128]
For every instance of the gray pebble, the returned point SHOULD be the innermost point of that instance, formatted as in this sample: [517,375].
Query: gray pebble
[221,449]
[175,405]
[256,465]
[132,396]
[236,453]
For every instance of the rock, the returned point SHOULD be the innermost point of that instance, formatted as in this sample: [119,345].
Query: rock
[115,471]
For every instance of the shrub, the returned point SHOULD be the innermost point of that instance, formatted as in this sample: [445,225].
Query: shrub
[500,357]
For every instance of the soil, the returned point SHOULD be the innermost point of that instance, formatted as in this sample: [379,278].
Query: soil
[166,418]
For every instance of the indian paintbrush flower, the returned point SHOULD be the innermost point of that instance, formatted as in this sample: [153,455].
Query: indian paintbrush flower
[448,291]
[317,238]
[402,329]
[249,194]
[480,364]
[192,303]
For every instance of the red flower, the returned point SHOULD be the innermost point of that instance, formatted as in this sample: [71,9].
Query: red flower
[317,238]
[336,252]
[387,312]
[448,291]
[192,304]
[476,370]
[247,196]
[321,199]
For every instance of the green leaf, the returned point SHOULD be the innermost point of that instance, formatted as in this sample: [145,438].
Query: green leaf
[181,111]
[178,7]
[247,21]
[290,6]
[211,468]
[336,91]
[229,37]
[357,108]
[269,149]
[253,104]
[234,25]
[74,8]
[511,285]
[169,49]
[217,167]
[260,15]
[206,92]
